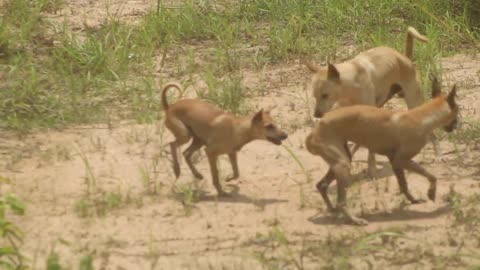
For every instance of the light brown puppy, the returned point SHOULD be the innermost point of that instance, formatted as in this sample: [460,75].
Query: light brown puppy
[220,132]
[368,79]
[399,135]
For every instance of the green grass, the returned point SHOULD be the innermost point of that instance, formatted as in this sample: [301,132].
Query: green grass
[54,77]
[11,236]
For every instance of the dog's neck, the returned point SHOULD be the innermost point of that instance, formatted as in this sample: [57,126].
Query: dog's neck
[432,114]
[243,132]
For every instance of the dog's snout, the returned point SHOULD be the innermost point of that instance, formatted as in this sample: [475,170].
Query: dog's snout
[283,136]
[318,114]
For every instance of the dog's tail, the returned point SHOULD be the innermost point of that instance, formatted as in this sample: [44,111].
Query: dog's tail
[164,92]
[412,34]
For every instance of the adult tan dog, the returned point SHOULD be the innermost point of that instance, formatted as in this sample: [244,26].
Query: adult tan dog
[398,135]
[369,79]
[219,131]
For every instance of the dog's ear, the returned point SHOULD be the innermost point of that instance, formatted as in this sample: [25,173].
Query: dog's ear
[451,97]
[258,117]
[333,73]
[311,66]
[436,91]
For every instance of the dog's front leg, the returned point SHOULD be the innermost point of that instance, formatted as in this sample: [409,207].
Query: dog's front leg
[398,167]
[212,160]
[415,167]
[233,161]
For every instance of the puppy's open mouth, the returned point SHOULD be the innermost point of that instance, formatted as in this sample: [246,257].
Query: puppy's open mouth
[274,140]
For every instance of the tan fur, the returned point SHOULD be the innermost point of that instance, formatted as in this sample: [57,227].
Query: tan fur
[369,79]
[399,135]
[220,132]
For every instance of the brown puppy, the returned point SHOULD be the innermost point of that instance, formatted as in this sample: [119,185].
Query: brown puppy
[219,131]
[396,134]
[368,79]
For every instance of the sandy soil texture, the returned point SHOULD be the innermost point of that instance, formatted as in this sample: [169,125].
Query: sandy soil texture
[111,192]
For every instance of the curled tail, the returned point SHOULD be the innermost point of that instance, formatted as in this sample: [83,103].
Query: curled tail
[412,34]
[164,92]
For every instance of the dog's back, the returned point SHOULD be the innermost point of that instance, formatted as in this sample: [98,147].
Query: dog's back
[197,115]
[374,128]
[385,66]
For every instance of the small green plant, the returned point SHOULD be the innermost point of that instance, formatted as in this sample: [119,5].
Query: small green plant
[86,263]
[187,195]
[454,200]
[279,253]
[99,203]
[465,208]
[11,235]
[188,199]
[53,262]
[150,181]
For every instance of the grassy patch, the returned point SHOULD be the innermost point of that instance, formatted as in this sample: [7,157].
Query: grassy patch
[54,77]
[100,203]
[11,235]
[469,133]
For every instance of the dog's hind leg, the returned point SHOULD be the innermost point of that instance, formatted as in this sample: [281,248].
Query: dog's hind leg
[412,92]
[182,136]
[194,146]
[233,161]
[414,97]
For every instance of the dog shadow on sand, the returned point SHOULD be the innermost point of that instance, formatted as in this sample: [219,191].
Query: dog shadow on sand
[234,196]
[397,214]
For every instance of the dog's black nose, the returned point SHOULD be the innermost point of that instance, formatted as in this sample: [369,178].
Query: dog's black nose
[284,136]
[318,114]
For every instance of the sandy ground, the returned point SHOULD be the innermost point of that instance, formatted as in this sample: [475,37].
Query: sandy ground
[152,225]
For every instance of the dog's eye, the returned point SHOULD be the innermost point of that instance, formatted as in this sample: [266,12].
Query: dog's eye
[324,96]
